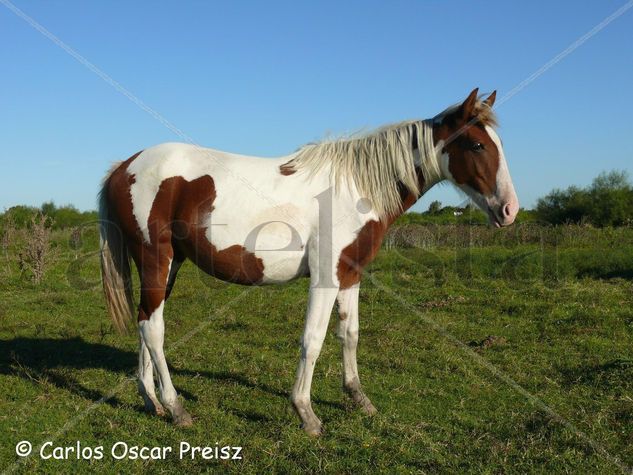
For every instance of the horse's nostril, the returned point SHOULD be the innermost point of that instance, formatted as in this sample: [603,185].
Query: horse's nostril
[507,210]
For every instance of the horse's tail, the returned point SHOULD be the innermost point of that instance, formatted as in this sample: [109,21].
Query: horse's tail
[115,265]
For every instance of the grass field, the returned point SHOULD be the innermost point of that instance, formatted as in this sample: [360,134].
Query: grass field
[512,356]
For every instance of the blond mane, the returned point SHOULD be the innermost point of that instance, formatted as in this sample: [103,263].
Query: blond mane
[378,163]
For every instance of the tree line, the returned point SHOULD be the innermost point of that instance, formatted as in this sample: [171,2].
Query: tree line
[57,217]
[608,201]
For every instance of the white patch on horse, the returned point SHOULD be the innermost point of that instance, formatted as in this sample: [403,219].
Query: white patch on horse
[505,193]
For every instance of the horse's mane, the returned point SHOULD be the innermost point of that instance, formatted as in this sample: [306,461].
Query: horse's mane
[381,162]
[378,163]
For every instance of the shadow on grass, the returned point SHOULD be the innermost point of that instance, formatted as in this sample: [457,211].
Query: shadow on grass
[53,361]
[613,375]
[231,377]
[607,274]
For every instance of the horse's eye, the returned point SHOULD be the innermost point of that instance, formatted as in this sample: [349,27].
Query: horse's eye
[477,147]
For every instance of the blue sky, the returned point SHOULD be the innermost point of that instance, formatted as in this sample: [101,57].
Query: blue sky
[262,78]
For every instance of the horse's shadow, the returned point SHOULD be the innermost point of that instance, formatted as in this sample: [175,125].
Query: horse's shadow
[54,361]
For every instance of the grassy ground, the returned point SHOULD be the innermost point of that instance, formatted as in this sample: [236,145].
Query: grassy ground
[490,359]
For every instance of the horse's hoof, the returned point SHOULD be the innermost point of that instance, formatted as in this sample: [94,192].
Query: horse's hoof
[313,430]
[154,409]
[183,419]
[369,409]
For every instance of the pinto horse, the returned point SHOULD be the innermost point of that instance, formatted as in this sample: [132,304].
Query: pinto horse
[320,212]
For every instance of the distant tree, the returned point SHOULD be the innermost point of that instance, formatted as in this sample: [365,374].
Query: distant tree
[59,217]
[435,207]
[608,201]
[66,216]
[21,215]
[612,199]
[48,209]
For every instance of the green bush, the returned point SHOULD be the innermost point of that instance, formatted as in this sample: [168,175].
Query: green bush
[19,216]
[61,217]
[608,201]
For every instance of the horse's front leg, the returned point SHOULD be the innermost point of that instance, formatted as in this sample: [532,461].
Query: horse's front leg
[318,315]
[348,334]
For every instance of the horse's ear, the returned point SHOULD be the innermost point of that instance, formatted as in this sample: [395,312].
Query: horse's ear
[490,100]
[468,106]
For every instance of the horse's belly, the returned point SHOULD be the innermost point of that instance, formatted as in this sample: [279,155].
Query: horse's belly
[282,266]
[239,265]
[270,255]
[275,237]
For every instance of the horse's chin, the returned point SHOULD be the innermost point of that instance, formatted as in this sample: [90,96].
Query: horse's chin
[493,221]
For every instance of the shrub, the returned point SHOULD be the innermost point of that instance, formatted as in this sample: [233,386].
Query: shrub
[36,254]
[61,217]
[608,201]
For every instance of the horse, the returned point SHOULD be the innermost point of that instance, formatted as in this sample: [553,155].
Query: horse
[320,212]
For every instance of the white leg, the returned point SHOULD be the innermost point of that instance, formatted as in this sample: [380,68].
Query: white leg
[348,334]
[153,334]
[318,315]
[146,380]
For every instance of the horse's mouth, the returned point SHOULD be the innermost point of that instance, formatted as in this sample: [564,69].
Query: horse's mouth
[493,219]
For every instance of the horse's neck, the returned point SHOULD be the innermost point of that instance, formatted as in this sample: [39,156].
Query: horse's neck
[408,199]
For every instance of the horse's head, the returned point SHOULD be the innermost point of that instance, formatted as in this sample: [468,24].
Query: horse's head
[472,157]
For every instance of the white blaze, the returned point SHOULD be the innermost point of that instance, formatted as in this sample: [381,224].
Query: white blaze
[505,194]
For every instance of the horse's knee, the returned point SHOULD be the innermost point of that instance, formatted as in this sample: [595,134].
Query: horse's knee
[311,346]
[299,401]
[351,336]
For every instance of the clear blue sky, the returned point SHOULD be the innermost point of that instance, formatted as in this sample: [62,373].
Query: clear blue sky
[263,78]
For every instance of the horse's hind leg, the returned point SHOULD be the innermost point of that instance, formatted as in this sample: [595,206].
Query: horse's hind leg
[348,334]
[145,365]
[176,263]
[146,380]
[154,276]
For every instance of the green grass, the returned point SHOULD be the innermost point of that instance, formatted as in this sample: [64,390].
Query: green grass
[560,319]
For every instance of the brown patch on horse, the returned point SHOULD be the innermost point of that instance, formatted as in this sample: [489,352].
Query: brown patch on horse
[118,186]
[147,259]
[473,156]
[189,222]
[357,255]
[342,315]
[287,169]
